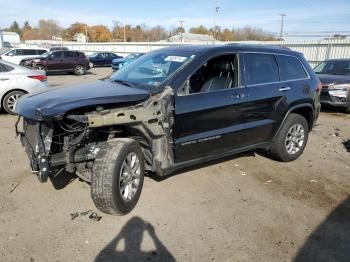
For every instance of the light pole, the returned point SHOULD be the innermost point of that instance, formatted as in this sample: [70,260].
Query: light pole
[217,8]
[282,19]
[181,29]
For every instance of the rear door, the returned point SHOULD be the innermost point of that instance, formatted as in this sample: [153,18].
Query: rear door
[209,122]
[268,97]
[69,60]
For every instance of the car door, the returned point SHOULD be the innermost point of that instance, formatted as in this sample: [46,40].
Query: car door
[209,122]
[69,60]
[267,96]
[6,79]
[55,61]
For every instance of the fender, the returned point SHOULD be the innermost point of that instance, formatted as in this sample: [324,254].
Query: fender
[287,114]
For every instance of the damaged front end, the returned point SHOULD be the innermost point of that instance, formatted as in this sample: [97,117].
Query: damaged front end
[72,142]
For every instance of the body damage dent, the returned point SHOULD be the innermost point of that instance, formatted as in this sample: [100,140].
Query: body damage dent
[153,118]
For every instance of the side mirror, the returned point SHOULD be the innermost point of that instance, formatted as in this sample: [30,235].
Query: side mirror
[185,90]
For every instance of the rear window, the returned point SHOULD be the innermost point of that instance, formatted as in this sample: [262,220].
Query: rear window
[5,68]
[260,68]
[290,68]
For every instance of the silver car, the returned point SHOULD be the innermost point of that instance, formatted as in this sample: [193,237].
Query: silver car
[15,81]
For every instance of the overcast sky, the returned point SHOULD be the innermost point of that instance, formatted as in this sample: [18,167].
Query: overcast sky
[302,16]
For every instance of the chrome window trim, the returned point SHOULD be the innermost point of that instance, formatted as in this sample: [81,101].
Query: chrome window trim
[276,54]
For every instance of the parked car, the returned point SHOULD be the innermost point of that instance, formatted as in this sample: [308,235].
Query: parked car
[15,55]
[61,61]
[15,81]
[102,58]
[119,62]
[171,108]
[335,77]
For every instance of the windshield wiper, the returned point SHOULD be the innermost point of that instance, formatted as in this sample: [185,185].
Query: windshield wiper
[123,82]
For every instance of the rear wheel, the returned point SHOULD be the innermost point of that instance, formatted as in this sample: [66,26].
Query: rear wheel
[9,101]
[117,176]
[79,70]
[347,108]
[291,139]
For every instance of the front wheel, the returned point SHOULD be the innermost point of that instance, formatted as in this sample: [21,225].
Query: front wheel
[117,176]
[291,139]
[79,70]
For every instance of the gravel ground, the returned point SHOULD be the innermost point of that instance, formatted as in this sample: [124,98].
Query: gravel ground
[244,208]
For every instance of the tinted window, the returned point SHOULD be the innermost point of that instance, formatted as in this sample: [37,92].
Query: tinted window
[260,68]
[68,54]
[28,52]
[40,52]
[56,55]
[5,68]
[290,68]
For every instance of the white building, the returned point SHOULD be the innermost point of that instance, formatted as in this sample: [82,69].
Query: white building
[80,38]
[189,37]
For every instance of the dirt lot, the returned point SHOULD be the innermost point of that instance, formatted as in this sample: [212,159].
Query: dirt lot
[246,208]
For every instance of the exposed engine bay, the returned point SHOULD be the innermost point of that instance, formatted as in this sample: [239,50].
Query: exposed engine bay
[72,141]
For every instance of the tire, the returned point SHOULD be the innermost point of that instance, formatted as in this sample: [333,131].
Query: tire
[79,70]
[39,67]
[289,150]
[9,101]
[106,179]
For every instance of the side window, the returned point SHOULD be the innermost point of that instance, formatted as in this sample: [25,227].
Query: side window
[69,54]
[260,68]
[216,74]
[28,52]
[40,52]
[5,68]
[56,55]
[290,68]
[16,52]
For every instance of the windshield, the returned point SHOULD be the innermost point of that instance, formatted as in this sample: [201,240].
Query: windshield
[333,68]
[152,69]
[45,55]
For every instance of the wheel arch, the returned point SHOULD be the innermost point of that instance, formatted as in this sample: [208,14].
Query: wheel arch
[306,110]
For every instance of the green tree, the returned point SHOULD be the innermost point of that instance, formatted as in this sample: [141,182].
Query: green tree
[15,28]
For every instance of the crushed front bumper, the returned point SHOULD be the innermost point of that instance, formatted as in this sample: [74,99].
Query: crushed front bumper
[36,137]
[331,98]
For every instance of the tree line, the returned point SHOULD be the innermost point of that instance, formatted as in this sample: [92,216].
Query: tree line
[47,29]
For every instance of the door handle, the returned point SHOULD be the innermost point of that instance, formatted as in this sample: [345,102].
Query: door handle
[237,96]
[4,79]
[283,89]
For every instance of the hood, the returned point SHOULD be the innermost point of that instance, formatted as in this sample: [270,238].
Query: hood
[56,102]
[327,79]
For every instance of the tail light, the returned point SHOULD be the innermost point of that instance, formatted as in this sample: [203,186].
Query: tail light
[41,78]
[319,87]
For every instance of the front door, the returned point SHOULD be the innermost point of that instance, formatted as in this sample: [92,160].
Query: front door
[209,114]
[55,61]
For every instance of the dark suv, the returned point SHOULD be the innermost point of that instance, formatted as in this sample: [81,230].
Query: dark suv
[171,108]
[61,61]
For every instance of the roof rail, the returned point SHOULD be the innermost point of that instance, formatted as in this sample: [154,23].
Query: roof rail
[262,45]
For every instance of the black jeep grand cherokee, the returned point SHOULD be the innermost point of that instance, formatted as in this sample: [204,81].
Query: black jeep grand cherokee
[171,108]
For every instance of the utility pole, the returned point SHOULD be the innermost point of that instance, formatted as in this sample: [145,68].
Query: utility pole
[181,29]
[124,34]
[282,19]
[217,8]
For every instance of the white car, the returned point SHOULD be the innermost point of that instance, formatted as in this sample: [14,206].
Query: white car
[15,81]
[15,55]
